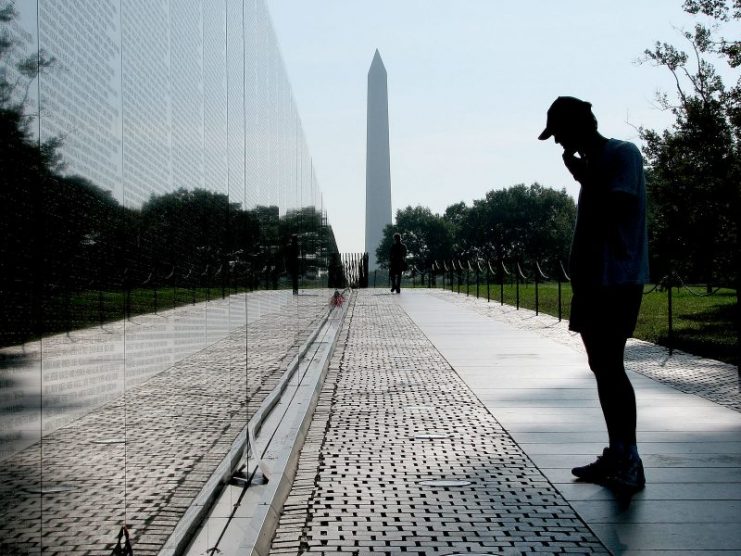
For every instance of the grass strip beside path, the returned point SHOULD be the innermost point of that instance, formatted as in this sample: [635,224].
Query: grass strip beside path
[702,325]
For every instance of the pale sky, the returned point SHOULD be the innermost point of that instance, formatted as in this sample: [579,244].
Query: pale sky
[469,84]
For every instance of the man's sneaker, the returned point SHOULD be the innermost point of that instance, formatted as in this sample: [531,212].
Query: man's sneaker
[600,470]
[628,474]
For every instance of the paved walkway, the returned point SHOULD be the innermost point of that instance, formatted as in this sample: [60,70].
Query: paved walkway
[424,387]
[431,386]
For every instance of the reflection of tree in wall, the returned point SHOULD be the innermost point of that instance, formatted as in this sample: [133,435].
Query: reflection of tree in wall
[72,256]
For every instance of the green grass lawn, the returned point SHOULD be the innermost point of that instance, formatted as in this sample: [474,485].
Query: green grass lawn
[702,325]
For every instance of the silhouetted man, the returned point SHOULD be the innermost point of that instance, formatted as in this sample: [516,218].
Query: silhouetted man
[397,263]
[608,265]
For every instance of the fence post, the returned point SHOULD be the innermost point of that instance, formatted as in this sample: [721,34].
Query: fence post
[468,282]
[488,280]
[501,283]
[566,277]
[738,315]
[517,287]
[540,274]
[101,317]
[670,334]
[477,282]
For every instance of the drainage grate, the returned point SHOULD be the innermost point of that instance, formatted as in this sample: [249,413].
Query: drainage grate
[470,554]
[58,489]
[445,483]
[430,436]
[109,441]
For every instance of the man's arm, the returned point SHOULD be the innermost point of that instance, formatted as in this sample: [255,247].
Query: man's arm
[623,194]
[577,166]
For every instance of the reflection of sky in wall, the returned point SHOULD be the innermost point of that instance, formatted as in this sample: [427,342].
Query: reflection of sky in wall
[168,95]
[24,31]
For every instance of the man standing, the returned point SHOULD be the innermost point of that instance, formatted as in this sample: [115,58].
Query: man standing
[397,263]
[608,265]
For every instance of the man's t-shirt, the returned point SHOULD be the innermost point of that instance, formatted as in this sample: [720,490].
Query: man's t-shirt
[397,257]
[610,244]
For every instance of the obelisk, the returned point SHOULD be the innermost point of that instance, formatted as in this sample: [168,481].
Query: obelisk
[377,164]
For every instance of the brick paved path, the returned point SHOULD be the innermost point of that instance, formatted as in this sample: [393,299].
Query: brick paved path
[178,426]
[359,487]
[713,380]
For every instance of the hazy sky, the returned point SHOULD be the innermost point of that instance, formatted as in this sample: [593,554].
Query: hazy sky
[469,84]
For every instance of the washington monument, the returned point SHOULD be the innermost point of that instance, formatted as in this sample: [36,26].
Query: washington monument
[377,165]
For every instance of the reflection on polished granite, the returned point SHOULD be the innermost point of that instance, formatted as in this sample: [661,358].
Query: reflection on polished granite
[51,382]
[141,458]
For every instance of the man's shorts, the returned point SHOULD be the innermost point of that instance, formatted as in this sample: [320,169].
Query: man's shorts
[609,310]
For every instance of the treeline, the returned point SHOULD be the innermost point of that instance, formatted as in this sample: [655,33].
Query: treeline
[517,224]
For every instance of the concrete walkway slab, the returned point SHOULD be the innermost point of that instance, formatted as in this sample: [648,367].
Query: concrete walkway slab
[542,393]
[402,458]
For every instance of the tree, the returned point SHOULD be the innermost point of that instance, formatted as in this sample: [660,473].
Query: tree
[693,167]
[524,223]
[427,236]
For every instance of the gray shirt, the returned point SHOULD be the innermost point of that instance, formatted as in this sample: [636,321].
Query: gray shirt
[610,244]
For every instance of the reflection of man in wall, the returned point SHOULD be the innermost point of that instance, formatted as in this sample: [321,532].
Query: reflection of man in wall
[335,277]
[609,265]
[397,263]
[292,261]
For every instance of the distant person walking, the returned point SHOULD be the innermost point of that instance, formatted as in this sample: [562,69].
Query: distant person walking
[608,266]
[397,263]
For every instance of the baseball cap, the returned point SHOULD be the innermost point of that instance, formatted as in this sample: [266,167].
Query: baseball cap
[564,110]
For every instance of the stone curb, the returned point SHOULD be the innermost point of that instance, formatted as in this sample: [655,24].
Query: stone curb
[284,449]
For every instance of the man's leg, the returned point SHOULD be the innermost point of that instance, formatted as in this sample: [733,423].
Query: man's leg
[621,464]
[394,282]
[616,394]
